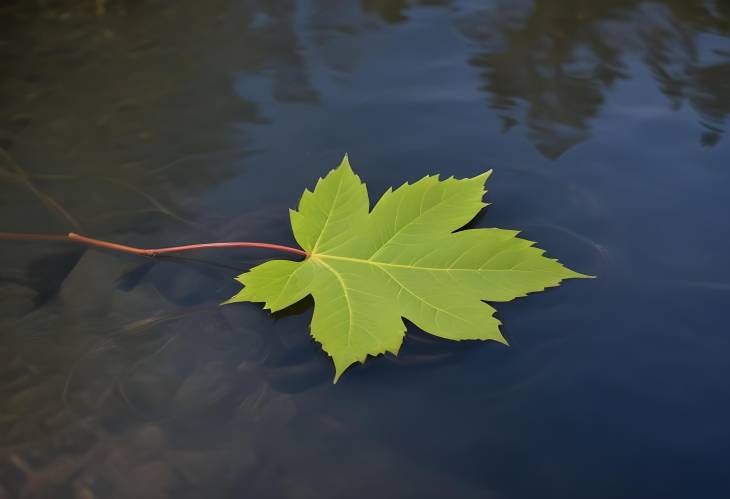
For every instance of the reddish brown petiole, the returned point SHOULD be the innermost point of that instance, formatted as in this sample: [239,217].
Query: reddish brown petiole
[71,236]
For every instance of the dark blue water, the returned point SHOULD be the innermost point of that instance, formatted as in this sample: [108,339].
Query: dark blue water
[158,123]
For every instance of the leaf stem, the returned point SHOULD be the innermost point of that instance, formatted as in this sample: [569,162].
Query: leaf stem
[77,238]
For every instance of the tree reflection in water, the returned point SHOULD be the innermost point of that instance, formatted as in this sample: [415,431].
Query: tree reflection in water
[549,67]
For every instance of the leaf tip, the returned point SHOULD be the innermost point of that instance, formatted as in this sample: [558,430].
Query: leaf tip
[345,163]
[578,275]
[484,176]
[339,370]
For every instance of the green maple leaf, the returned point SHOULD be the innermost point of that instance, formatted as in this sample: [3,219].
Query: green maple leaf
[368,269]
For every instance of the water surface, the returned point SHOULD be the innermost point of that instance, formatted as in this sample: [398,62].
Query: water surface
[156,123]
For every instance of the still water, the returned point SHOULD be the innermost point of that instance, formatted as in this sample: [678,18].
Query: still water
[159,123]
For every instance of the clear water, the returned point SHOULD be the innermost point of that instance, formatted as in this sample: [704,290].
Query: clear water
[158,123]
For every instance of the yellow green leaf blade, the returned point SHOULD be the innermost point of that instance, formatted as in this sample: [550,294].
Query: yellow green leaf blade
[442,308]
[492,264]
[368,270]
[425,209]
[333,212]
[277,283]
[354,315]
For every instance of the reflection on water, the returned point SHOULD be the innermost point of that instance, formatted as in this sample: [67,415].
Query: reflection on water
[159,123]
[550,66]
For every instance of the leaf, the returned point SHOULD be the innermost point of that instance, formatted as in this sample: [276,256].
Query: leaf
[368,269]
